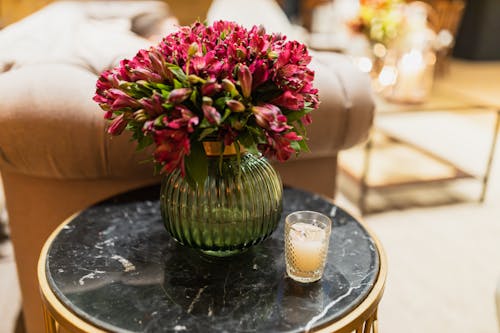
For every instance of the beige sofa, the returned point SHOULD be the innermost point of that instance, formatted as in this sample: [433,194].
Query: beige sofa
[55,157]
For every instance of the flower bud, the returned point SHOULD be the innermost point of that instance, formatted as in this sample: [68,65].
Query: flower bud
[179,95]
[237,124]
[140,115]
[210,88]
[207,100]
[229,86]
[241,53]
[245,79]
[273,55]
[261,30]
[211,114]
[193,79]
[118,125]
[192,50]
[235,106]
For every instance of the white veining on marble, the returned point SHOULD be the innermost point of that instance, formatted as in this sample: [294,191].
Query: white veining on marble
[108,230]
[196,299]
[179,328]
[333,211]
[328,307]
[127,265]
[92,275]
[107,242]
[210,311]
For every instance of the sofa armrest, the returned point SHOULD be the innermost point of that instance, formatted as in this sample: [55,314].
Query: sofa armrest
[346,112]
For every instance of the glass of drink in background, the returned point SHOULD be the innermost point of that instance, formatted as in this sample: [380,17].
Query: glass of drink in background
[307,236]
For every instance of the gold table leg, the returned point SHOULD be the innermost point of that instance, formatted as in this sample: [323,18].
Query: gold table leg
[50,323]
[364,176]
[486,176]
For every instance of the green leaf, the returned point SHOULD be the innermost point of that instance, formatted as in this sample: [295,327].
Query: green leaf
[144,142]
[194,97]
[177,84]
[204,123]
[159,121]
[295,115]
[258,135]
[253,149]
[227,113]
[295,145]
[220,103]
[304,146]
[246,140]
[157,168]
[160,86]
[300,128]
[197,164]
[178,72]
[168,106]
[206,132]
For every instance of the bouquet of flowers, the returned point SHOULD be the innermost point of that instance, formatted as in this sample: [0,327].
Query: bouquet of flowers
[220,83]
[379,20]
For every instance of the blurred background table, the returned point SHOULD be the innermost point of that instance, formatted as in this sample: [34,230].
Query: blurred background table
[416,144]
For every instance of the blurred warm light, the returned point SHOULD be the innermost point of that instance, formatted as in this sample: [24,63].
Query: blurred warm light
[364,64]
[444,39]
[387,76]
[430,59]
[379,50]
[412,61]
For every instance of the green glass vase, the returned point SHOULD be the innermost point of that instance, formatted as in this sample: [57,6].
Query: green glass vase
[239,205]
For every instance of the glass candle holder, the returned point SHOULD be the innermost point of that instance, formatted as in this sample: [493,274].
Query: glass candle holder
[307,236]
[408,71]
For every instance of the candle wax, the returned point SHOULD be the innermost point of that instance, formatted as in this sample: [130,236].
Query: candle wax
[308,244]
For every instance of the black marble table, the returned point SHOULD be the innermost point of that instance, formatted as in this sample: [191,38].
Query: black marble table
[116,268]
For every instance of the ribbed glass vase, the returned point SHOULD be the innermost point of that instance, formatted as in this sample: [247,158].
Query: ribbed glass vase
[239,206]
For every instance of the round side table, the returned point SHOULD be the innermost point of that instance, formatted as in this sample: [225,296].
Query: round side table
[114,268]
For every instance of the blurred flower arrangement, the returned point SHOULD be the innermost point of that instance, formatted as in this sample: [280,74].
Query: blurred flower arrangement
[379,20]
[219,83]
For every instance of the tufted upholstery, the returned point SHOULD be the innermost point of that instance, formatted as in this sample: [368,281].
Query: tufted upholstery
[55,158]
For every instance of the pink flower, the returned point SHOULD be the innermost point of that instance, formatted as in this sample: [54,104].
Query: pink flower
[211,114]
[260,73]
[245,80]
[120,100]
[290,100]
[210,88]
[153,105]
[269,117]
[307,120]
[182,118]
[278,146]
[117,125]
[171,147]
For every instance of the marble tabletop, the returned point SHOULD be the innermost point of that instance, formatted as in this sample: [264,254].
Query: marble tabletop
[115,266]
